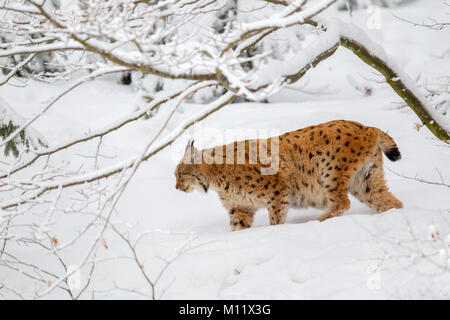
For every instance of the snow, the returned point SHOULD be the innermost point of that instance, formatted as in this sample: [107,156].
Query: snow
[361,255]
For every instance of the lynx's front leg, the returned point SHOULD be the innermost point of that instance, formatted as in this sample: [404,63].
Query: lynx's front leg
[240,218]
[278,206]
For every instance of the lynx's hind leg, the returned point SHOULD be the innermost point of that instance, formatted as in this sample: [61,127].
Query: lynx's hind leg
[369,186]
[337,196]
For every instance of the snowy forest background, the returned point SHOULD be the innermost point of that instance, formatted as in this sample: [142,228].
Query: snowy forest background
[98,100]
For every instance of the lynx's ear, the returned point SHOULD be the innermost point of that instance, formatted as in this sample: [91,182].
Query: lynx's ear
[191,154]
[189,144]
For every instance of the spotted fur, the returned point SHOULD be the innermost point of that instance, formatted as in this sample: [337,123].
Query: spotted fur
[318,166]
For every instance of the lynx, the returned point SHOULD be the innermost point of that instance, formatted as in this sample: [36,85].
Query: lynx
[317,167]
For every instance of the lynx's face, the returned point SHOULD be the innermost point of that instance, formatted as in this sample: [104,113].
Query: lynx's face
[188,173]
[189,179]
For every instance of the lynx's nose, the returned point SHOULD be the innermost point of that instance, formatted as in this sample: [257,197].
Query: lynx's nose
[180,187]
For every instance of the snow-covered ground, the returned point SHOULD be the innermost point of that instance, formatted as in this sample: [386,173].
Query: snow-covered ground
[361,255]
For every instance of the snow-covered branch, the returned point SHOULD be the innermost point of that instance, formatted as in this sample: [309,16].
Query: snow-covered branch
[42,187]
[90,77]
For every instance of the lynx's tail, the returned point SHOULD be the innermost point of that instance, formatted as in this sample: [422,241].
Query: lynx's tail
[388,146]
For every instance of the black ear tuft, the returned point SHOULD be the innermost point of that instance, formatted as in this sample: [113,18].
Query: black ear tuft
[189,144]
